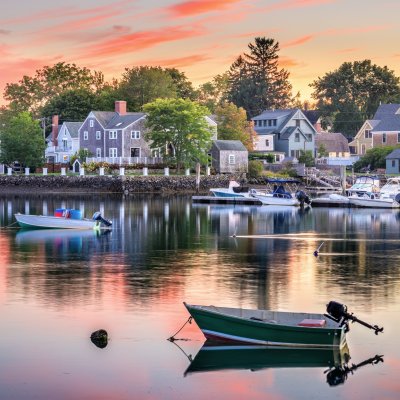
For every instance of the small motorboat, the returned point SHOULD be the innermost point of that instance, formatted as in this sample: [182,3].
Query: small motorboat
[276,328]
[63,219]
[233,190]
[373,200]
[281,194]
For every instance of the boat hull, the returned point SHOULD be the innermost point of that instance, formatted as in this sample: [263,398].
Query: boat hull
[48,222]
[269,199]
[216,325]
[373,203]
[227,193]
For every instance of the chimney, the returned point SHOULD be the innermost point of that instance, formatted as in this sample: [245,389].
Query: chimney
[120,107]
[54,129]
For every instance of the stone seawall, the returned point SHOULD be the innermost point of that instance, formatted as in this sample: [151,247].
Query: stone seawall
[112,184]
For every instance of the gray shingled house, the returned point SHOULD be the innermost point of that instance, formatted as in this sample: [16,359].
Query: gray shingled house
[115,136]
[229,156]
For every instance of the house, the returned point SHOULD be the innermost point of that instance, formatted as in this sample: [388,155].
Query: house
[382,130]
[113,135]
[284,132]
[336,146]
[393,162]
[66,142]
[229,156]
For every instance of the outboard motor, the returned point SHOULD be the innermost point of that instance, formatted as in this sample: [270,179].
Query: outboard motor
[397,197]
[97,217]
[302,198]
[338,313]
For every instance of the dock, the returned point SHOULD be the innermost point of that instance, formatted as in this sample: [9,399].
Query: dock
[244,201]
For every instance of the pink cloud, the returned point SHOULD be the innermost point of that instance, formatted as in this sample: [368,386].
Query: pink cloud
[176,62]
[287,62]
[298,41]
[290,4]
[194,7]
[141,40]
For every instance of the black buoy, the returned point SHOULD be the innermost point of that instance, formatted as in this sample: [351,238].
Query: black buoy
[316,251]
[99,338]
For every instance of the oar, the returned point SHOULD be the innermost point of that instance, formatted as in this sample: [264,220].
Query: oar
[316,251]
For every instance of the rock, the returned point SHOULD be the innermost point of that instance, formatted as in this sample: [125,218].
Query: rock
[99,338]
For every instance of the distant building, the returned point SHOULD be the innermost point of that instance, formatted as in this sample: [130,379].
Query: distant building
[337,147]
[229,156]
[393,162]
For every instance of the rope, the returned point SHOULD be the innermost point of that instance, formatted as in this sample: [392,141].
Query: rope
[9,226]
[172,338]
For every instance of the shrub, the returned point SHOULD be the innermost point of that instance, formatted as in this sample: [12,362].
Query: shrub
[255,169]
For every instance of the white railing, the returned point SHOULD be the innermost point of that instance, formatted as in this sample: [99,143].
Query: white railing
[126,160]
[337,160]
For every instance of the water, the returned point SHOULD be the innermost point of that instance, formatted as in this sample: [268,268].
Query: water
[56,288]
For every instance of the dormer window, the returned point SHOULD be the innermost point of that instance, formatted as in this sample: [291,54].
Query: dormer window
[367,134]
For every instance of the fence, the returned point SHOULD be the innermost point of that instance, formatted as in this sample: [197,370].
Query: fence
[126,160]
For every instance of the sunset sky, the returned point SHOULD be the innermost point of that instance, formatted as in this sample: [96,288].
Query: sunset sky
[201,38]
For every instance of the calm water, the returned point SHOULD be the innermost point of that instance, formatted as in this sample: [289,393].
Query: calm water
[58,287]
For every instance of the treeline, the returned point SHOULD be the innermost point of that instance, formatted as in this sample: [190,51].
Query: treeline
[254,82]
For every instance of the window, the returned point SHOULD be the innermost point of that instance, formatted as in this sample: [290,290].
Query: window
[367,134]
[255,122]
[91,123]
[274,122]
[383,137]
[264,122]
[98,152]
[231,159]
[112,152]
[266,142]
[98,135]
[135,151]
[135,134]
[309,137]
[270,122]
[398,137]
[297,122]
[393,163]
[112,135]
[85,135]
[297,137]
[363,149]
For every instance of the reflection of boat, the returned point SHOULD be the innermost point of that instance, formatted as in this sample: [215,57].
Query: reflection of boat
[64,221]
[234,190]
[212,357]
[52,235]
[276,328]
[280,194]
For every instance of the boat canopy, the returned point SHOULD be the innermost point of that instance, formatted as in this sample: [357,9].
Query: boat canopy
[281,181]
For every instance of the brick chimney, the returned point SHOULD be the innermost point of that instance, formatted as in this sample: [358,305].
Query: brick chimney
[120,107]
[54,129]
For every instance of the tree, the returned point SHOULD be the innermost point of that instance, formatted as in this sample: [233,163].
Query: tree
[374,158]
[22,140]
[307,158]
[322,152]
[142,85]
[32,93]
[256,82]
[184,87]
[211,94]
[352,93]
[71,105]
[178,128]
[233,125]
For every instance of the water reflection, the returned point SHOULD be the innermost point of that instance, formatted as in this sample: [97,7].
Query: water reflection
[217,357]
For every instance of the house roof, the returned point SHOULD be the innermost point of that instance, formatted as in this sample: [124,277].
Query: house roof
[73,128]
[122,121]
[287,132]
[388,116]
[395,154]
[332,141]
[312,115]
[232,145]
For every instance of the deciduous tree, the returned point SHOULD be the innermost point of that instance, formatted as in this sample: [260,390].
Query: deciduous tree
[178,128]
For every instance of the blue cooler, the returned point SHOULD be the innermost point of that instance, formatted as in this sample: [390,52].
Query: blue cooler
[75,214]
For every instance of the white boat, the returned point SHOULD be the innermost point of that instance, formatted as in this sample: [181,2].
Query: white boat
[234,190]
[373,200]
[332,199]
[364,184]
[60,222]
[391,188]
[279,195]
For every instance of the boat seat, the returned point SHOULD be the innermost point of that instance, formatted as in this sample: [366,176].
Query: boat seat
[313,323]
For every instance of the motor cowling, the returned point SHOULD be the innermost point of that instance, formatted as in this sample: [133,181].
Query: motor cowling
[336,310]
[397,197]
[302,197]
[98,217]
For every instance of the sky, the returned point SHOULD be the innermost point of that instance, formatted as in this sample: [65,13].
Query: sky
[201,38]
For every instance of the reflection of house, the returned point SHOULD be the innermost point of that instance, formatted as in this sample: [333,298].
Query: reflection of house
[287,132]
[229,156]
[393,162]
[63,141]
[382,130]
[336,146]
